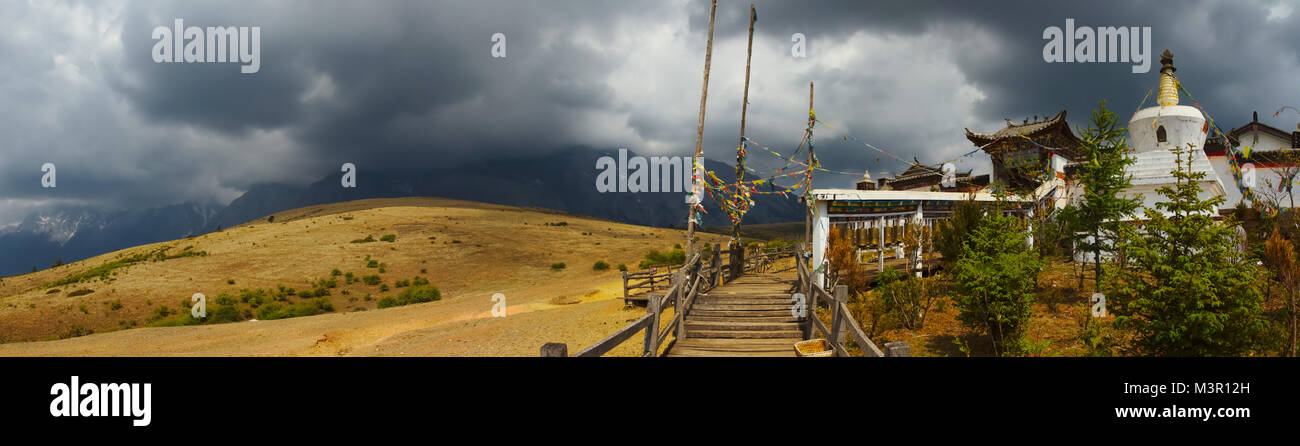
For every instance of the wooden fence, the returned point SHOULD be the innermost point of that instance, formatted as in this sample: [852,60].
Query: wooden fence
[695,278]
[843,325]
[639,285]
[687,282]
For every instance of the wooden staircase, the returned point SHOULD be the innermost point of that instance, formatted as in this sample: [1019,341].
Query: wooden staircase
[750,316]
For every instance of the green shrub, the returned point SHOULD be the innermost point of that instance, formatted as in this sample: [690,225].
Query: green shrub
[654,257]
[270,311]
[336,272]
[419,281]
[402,283]
[600,266]
[224,299]
[300,309]
[80,292]
[371,280]
[224,314]
[160,312]
[906,299]
[557,266]
[253,298]
[387,302]
[368,239]
[996,276]
[116,304]
[372,264]
[622,267]
[389,238]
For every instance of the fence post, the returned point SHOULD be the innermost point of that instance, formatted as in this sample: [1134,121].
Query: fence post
[652,330]
[717,265]
[897,349]
[679,305]
[555,350]
[625,301]
[838,327]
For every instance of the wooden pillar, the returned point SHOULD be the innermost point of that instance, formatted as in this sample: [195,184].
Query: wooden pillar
[652,330]
[838,327]
[880,248]
[808,200]
[555,350]
[696,181]
[809,298]
[744,107]
[679,302]
[897,349]
[919,222]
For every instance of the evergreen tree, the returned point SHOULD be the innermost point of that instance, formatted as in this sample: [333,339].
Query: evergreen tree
[1095,222]
[996,276]
[1188,291]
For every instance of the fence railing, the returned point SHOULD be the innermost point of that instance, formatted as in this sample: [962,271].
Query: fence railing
[701,273]
[658,277]
[843,325]
[687,282]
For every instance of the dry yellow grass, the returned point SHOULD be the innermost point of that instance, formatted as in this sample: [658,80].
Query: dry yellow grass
[468,250]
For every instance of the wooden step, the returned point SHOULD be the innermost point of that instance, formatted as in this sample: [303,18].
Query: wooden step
[715,343]
[681,352]
[740,326]
[739,345]
[739,334]
[712,307]
[766,294]
[738,313]
[786,318]
[713,300]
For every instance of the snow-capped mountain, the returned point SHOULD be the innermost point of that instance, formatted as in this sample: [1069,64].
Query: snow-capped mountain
[75,233]
[62,224]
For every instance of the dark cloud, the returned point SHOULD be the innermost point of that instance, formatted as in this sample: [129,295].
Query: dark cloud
[394,84]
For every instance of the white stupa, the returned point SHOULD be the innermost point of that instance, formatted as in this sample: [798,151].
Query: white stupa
[1155,132]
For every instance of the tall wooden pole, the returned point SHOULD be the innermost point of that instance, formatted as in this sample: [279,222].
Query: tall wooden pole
[808,222]
[740,153]
[699,140]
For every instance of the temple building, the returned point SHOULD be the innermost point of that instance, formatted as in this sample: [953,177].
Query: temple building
[1022,153]
[924,177]
[1274,153]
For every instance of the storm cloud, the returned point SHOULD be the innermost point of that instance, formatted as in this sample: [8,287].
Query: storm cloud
[398,84]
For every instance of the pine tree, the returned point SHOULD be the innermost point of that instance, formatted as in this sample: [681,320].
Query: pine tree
[1096,221]
[1188,291]
[996,276]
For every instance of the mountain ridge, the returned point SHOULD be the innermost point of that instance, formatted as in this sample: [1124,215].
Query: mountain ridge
[563,181]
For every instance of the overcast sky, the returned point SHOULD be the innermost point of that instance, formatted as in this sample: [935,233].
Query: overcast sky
[406,84]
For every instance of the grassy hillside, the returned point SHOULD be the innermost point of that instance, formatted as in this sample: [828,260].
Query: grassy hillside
[468,251]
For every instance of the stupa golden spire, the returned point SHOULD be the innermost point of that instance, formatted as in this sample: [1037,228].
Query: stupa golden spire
[1168,86]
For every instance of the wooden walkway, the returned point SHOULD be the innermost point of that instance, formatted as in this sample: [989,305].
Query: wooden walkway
[750,316]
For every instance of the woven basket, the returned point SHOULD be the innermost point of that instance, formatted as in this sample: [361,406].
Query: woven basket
[813,348]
